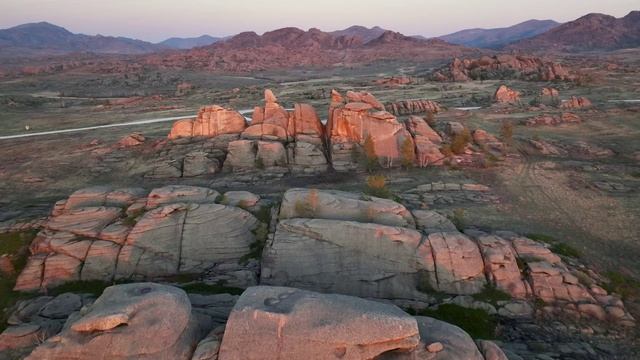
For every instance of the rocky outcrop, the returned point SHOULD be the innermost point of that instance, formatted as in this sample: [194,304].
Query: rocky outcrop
[340,205]
[308,325]
[391,261]
[394,81]
[506,95]
[427,142]
[549,92]
[502,67]
[211,121]
[351,124]
[413,107]
[576,103]
[174,230]
[552,120]
[141,321]
[487,141]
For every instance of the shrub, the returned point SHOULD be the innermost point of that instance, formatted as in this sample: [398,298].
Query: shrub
[623,285]
[370,154]
[460,141]
[457,218]
[476,322]
[566,250]
[377,186]
[491,295]
[506,132]
[408,153]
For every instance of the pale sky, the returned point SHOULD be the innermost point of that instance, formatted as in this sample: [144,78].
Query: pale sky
[156,20]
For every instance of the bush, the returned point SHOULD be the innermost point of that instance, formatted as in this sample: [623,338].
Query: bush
[625,286]
[369,146]
[377,186]
[478,323]
[408,153]
[460,141]
[506,132]
[457,218]
[491,295]
[566,250]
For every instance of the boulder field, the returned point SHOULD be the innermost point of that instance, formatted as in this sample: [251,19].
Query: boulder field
[325,274]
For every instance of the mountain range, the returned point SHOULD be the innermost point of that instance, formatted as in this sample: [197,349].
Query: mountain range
[590,32]
[46,38]
[190,43]
[499,37]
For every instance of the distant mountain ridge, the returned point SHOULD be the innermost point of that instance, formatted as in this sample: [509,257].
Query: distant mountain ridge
[43,36]
[590,32]
[499,37]
[190,43]
[366,34]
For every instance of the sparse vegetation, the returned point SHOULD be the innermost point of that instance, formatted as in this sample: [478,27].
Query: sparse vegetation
[457,218]
[460,141]
[259,163]
[556,246]
[506,132]
[377,186]
[492,295]
[478,323]
[408,153]
[624,285]
[372,161]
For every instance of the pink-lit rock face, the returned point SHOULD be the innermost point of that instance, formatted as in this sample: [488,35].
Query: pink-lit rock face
[355,121]
[364,97]
[177,229]
[506,95]
[142,320]
[210,122]
[308,325]
[549,92]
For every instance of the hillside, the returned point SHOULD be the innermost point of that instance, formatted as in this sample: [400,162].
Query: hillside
[498,37]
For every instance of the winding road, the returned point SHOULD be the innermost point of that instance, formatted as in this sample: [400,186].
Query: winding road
[129,123]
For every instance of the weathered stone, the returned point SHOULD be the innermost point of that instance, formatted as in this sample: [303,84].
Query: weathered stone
[430,221]
[86,221]
[180,194]
[340,205]
[458,263]
[308,325]
[360,259]
[141,321]
[210,122]
[242,199]
[100,261]
[506,95]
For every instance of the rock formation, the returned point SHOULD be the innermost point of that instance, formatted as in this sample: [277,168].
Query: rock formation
[394,81]
[90,237]
[506,95]
[427,142]
[576,103]
[352,123]
[552,120]
[502,67]
[549,92]
[413,107]
[141,321]
[211,121]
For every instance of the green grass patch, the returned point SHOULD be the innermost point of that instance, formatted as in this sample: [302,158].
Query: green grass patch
[556,246]
[623,285]
[542,238]
[256,248]
[565,250]
[492,295]
[202,288]
[476,322]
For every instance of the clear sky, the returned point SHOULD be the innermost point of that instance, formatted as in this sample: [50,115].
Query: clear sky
[155,20]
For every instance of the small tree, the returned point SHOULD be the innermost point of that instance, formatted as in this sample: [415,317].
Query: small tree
[460,141]
[506,132]
[408,153]
[370,153]
[377,186]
